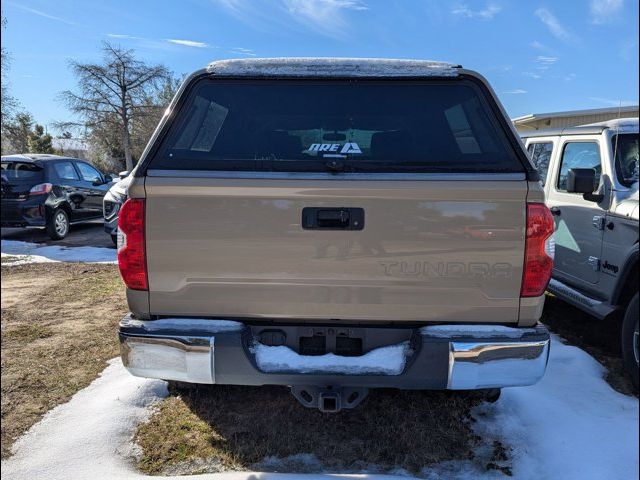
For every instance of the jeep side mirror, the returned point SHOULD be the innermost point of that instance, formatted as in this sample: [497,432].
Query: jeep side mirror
[108,179]
[583,180]
[123,174]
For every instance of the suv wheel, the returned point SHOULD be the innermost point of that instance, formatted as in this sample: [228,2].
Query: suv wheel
[58,225]
[630,349]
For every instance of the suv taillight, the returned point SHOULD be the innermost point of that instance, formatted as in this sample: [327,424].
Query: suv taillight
[40,189]
[538,251]
[132,258]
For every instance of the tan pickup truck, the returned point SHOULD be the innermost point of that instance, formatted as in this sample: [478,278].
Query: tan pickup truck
[335,225]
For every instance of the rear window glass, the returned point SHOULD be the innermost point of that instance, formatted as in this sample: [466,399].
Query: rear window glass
[21,171]
[356,126]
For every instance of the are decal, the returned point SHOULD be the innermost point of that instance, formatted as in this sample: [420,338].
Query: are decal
[349,147]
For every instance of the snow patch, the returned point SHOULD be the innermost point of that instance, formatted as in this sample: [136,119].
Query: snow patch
[14,260]
[185,325]
[570,425]
[87,437]
[387,360]
[475,331]
[300,463]
[26,252]
[332,67]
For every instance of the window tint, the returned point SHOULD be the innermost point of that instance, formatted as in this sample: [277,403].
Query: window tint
[579,155]
[625,147]
[313,126]
[65,171]
[89,174]
[541,156]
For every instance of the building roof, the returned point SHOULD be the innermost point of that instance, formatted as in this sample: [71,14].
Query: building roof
[331,67]
[535,117]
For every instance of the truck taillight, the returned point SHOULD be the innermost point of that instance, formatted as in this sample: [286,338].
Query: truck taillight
[538,253]
[132,258]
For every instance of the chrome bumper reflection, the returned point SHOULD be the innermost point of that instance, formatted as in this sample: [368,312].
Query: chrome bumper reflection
[474,365]
[186,359]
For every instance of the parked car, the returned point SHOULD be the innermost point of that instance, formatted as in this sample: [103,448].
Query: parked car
[265,166]
[590,176]
[50,191]
[111,204]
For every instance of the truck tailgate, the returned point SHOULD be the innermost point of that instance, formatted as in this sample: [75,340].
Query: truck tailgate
[446,248]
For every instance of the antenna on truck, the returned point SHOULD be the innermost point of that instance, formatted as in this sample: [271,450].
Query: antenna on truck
[615,147]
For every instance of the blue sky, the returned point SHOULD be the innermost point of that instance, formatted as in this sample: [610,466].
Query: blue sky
[539,55]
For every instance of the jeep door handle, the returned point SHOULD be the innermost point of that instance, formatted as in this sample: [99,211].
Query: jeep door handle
[555,211]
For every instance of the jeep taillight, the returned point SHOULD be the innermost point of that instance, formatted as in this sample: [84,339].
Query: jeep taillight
[538,251]
[40,189]
[131,245]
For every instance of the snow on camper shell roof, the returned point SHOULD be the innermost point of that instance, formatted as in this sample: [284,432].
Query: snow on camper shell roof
[332,67]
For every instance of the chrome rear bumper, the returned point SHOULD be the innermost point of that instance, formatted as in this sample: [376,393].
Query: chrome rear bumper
[445,357]
[496,364]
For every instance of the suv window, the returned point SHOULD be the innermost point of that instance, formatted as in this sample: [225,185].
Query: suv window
[625,147]
[89,174]
[579,155]
[352,126]
[65,171]
[541,155]
[21,171]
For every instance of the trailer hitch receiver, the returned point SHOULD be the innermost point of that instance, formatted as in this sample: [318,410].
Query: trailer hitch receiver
[329,399]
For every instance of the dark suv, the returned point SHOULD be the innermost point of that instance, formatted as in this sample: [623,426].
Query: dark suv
[50,191]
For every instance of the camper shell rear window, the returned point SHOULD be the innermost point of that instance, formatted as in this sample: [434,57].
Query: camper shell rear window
[355,126]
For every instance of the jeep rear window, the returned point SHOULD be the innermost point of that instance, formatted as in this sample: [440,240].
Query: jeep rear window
[339,126]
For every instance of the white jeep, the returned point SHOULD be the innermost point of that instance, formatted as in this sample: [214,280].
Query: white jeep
[590,178]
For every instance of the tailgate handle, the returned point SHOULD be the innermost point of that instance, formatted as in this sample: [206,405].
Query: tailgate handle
[322,218]
[335,218]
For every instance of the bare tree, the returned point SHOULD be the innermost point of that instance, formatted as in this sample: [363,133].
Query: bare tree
[17,132]
[8,104]
[115,93]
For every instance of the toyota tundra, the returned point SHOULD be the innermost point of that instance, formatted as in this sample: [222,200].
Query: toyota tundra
[336,225]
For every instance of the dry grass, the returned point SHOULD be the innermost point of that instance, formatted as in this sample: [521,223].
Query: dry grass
[235,428]
[58,329]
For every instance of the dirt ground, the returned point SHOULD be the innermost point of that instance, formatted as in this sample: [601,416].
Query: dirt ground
[58,330]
